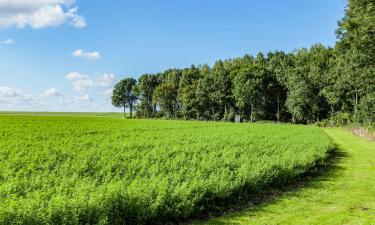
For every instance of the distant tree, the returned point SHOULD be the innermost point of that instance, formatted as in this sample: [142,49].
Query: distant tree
[205,108]
[356,46]
[221,86]
[187,90]
[306,80]
[165,97]
[166,93]
[278,65]
[304,86]
[125,94]
[147,84]
[300,100]
[247,89]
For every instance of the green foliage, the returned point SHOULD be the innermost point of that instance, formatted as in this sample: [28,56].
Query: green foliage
[343,194]
[147,84]
[165,95]
[70,170]
[356,62]
[187,92]
[247,86]
[305,86]
[125,94]
[367,109]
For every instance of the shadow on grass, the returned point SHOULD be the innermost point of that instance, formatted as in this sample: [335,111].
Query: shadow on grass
[315,178]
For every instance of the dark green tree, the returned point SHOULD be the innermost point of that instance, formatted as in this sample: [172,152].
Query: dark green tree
[187,90]
[247,89]
[147,84]
[125,94]
[165,97]
[356,47]
[278,65]
[205,106]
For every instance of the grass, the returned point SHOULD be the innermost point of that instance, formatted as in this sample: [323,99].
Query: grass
[343,195]
[103,170]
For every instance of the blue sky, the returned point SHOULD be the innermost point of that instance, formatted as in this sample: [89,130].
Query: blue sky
[65,55]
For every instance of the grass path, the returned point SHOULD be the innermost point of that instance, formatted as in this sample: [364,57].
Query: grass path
[345,194]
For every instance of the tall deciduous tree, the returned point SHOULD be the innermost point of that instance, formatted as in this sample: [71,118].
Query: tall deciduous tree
[147,84]
[187,90]
[125,94]
[205,107]
[221,93]
[278,65]
[247,89]
[356,47]
[165,97]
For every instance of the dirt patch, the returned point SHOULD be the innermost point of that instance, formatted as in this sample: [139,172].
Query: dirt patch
[364,132]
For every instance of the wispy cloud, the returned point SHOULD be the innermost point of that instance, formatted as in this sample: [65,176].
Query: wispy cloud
[8,41]
[247,28]
[12,96]
[84,82]
[84,98]
[39,13]
[51,92]
[50,100]
[86,55]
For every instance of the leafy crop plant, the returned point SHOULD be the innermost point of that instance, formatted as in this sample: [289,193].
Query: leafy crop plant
[86,170]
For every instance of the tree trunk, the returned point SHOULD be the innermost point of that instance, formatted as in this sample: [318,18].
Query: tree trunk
[278,106]
[225,112]
[355,105]
[131,110]
[356,102]
[332,115]
[252,112]
[125,112]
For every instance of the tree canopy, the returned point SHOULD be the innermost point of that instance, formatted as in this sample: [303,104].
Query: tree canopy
[125,94]
[304,86]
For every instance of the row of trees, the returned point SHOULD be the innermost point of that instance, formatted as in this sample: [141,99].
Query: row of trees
[304,86]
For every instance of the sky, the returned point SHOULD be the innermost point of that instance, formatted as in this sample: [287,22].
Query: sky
[66,55]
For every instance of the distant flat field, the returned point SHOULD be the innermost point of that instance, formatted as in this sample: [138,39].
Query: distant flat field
[76,114]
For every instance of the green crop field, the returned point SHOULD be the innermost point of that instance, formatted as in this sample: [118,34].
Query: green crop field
[103,170]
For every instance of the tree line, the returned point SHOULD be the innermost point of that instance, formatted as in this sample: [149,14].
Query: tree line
[307,85]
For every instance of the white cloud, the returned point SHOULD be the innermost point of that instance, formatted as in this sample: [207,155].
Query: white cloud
[7,92]
[12,99]
[84,98]
[83,82]
[8,41]
[106,80]
[39,13]
[12,96]
[76,76]
[86,55]
[76,20]
[108,92]
[51,92]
